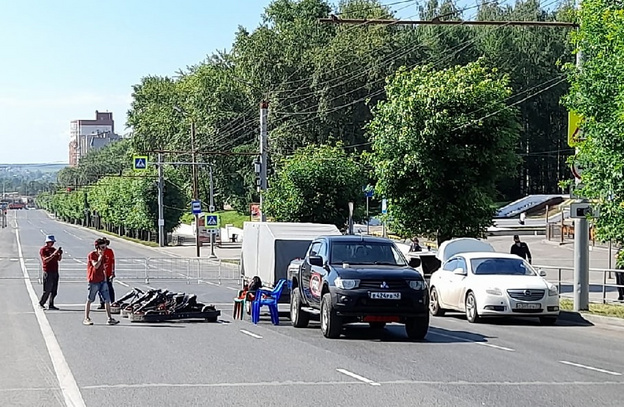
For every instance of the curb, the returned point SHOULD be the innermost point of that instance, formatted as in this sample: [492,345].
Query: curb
[591,319]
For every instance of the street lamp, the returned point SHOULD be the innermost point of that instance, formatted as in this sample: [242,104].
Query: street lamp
[194,166]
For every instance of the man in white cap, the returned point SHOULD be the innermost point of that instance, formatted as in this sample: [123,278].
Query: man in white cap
[50,257]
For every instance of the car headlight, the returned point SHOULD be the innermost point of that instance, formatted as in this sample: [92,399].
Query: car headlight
[494,291]
[346,284]
[552,291]
[417,285]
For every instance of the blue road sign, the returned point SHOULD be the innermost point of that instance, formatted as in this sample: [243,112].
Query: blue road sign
[140,162]
[196,207]
[384,206]
[212,221]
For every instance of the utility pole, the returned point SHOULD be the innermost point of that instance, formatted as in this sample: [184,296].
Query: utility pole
[161,210]
[581,241]
[264,112]
[195,188]
[212,209]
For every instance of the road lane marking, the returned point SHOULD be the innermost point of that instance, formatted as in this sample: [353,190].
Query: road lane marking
[459,338]
[232,288]
[121,283]
[342,383]
[358,377]
[67,382]
[595,369]
[40,230]
[253,335]
[71,234]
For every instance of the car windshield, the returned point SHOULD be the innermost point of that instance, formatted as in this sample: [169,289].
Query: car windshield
[366,253]
[501,266]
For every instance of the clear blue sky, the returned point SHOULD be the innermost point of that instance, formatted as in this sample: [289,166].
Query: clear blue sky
[63,60]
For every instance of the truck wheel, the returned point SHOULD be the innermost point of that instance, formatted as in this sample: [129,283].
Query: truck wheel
[416,328]
[434,304]
[331,325]
[298,317]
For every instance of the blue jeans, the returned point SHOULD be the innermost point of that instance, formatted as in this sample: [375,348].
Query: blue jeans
[95,288]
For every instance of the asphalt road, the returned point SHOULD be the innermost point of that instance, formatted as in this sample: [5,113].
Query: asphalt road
[49,358]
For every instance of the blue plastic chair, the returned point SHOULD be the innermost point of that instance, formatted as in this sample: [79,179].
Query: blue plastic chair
[270,299]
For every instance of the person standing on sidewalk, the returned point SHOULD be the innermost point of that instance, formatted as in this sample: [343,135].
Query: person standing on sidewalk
[50,257]
[109,266]
[619,276]
[96,276]
[521,249]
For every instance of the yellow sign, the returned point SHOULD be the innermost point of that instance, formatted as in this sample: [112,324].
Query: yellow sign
[139,162]
[574,129]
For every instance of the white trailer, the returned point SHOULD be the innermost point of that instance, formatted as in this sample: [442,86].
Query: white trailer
[269,247]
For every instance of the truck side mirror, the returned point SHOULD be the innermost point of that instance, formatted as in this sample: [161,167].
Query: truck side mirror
[414,262]
[316,261]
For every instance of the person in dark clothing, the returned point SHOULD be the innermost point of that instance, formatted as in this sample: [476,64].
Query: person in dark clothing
[415,245]
[619,276]
[521,249]
[50,258]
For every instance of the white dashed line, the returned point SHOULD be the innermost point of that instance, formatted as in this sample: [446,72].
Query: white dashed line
[459,338]
[71,234]
[595,369]
[358,377]
[253,335]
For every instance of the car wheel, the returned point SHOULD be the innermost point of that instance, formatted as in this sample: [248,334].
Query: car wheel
[377,325]
[416,328]
[298,317]
[331,325]
[548,320]
[472,315]
[434,303]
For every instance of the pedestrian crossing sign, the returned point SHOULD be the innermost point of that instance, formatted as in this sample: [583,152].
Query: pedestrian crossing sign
[212,221]
[140,162]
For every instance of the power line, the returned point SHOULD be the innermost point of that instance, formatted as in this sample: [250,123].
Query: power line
[447,22]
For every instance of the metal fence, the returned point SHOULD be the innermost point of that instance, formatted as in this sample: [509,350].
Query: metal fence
[146,270]
[603,287]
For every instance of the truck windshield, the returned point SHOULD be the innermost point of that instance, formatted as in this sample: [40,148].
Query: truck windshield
[366,253]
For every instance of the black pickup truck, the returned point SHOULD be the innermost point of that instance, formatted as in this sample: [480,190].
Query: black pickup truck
[347,279]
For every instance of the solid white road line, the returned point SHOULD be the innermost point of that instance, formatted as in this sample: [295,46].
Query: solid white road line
[358,377]
[459,338]
[253,335]
[67,382]
[595,369]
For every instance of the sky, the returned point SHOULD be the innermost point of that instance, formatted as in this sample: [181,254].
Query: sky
[63,60]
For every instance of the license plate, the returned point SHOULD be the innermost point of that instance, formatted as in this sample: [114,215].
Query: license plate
[528,306]
[384,296]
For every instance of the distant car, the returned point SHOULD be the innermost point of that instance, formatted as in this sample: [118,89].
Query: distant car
[476,280]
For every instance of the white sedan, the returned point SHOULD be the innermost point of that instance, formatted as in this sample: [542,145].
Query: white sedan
[476,280]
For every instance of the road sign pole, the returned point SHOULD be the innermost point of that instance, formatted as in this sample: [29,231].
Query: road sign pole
[212,234]
[367,217]
[161,211]
[264,112]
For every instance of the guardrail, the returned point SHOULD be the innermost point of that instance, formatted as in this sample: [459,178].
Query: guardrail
[601,287]
[145,270]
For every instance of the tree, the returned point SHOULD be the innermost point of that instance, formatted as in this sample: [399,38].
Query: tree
[597,94]
[439,144]
[316,185]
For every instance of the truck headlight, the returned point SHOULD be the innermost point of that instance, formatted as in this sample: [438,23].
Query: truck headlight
[552,291]
[346,284]
[417,285]
[494,291]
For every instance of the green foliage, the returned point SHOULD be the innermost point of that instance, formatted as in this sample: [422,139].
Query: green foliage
[597,94]
[315,185]
[439,144]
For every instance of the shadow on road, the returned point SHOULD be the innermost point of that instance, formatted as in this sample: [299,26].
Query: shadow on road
[565,319]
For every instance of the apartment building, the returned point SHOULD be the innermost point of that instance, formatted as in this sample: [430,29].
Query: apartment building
[87,135]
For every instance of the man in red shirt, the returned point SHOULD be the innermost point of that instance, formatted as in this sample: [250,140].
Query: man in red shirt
[50,257]
[109,265]
[96,276]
